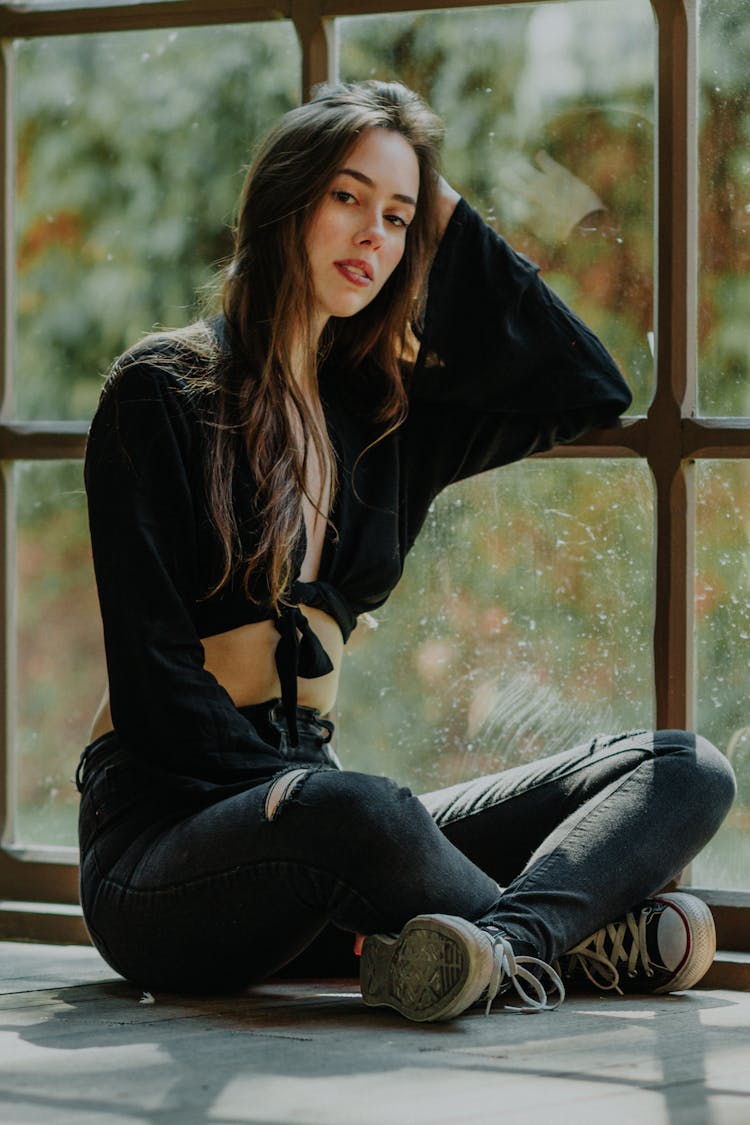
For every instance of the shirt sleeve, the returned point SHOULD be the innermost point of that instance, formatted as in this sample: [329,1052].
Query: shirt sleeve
[505,368]
[140,458]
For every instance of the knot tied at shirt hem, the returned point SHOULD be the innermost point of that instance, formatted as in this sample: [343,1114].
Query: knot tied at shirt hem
[298,653]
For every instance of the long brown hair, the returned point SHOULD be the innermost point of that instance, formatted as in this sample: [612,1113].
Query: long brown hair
[268,301]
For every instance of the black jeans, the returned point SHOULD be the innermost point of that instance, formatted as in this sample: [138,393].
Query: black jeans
[197,886]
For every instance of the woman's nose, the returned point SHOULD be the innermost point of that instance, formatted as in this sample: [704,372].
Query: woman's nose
[371,234]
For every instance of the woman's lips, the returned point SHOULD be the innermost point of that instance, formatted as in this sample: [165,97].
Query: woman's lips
[358,273]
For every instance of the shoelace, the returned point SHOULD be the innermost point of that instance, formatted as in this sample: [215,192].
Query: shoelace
[600,965]
[508,966]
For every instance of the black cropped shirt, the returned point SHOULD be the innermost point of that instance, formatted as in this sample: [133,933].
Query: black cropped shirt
[505,369]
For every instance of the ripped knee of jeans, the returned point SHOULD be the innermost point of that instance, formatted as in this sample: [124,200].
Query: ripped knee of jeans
[281,789]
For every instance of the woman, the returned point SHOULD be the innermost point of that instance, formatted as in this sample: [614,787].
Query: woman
[254,484]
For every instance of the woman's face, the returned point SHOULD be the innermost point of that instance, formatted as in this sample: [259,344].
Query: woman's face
[358,232]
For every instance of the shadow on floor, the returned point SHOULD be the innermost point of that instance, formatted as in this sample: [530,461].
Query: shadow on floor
[312,1052]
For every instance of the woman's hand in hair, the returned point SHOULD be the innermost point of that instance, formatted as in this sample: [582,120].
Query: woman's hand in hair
[448,197]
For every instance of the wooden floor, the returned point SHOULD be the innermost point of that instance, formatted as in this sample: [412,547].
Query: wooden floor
[78,1046]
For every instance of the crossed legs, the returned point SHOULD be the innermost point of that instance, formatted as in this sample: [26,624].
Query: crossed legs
[224,896]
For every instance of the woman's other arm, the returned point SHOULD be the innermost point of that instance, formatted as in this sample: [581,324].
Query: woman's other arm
[140,478]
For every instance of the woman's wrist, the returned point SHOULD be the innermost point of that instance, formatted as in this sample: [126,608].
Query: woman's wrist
[448,198]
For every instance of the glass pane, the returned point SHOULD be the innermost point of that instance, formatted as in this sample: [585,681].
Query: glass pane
[130,150]
[723,654]
[549,111]
[724,194]
[60,652]
[522,626]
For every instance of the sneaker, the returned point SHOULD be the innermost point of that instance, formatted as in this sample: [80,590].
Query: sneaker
[439,965]
[664,945]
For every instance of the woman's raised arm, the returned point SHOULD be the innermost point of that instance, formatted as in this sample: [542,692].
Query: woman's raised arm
[505,367]
[447,202]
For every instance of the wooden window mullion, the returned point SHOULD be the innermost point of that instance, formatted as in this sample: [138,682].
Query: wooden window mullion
[676,357]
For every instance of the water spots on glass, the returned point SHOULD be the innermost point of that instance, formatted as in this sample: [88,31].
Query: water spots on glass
[57,615]
[538,580]
[722,612]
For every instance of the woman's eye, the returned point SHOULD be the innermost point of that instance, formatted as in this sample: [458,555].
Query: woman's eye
[397,221]
[343,196]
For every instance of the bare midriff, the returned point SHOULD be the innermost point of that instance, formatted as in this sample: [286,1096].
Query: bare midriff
[242,660]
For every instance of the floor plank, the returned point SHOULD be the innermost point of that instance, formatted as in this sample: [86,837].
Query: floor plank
[79,1046]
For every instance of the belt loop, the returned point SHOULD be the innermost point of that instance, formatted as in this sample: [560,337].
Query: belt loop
[81,768]
[329,728]
[83,762]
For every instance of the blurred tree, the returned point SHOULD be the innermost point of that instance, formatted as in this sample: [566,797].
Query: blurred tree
[130,149]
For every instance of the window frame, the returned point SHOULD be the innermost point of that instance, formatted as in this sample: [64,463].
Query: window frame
[39,886]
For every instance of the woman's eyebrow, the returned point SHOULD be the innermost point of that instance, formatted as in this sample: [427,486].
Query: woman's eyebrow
[363,179]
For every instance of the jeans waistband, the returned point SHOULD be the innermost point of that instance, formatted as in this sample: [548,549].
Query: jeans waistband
[314,732]
[269,720]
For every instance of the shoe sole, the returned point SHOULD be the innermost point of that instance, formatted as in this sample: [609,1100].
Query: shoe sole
[701,949]
[436,968]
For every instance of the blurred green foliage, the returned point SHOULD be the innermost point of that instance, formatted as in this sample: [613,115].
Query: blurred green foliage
[524,618]
[130,153]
